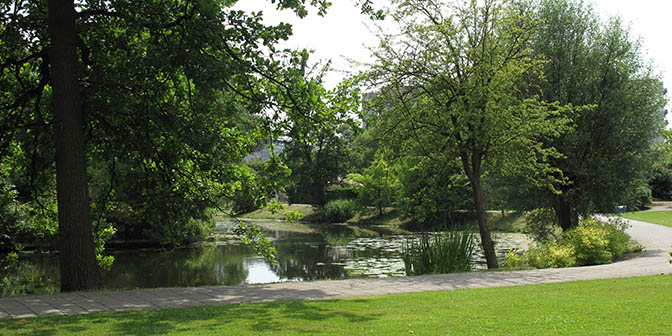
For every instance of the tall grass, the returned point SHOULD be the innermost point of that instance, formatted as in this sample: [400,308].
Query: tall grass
[446,252]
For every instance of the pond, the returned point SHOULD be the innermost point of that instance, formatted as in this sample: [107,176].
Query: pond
[311,253]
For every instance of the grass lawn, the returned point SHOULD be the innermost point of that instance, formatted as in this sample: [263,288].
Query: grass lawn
[264,213]
[630,306]
[655,217]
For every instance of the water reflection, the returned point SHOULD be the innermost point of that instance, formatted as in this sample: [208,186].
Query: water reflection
[301,256]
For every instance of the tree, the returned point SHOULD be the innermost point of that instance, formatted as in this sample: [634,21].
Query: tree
[377,185]
[433,188]
[606,155]
[661,180]
[457,73]
[74,215]
[152,92]
[317,148]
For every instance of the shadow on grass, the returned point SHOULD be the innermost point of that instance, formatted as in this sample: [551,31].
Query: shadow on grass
[286,317]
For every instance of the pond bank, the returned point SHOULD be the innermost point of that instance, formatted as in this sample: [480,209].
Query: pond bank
[656,240]
[391,218]
[305,252]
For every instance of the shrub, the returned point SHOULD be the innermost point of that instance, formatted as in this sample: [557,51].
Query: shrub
[592,242]
[339,211]
[597,242]
[448,252]
[515,260]
[552,255]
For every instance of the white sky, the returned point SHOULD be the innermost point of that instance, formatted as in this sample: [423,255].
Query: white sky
[342,33]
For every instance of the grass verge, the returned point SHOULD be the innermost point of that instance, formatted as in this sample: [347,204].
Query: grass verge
[655,217]
[306,210]
[509,222]
[602,307]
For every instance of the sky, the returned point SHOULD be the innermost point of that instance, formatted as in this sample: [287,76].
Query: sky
[344,33]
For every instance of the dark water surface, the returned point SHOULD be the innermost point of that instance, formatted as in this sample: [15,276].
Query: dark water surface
[301,257]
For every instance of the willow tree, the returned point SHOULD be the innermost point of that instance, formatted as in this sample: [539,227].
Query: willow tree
[457,72]
[607,155]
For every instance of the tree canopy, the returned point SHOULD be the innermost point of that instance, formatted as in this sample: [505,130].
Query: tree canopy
[607,154]
[456,76]
[157,102]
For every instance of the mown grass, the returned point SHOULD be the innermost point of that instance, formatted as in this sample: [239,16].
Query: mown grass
[631,306]
[655,217]
[306,210]
[509,222]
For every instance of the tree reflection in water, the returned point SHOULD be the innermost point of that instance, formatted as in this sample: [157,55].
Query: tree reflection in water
[301,256]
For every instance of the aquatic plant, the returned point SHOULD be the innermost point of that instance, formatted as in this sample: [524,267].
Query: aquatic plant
[445,252]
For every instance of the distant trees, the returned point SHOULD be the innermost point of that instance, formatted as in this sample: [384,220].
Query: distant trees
[318,141]
[377,185]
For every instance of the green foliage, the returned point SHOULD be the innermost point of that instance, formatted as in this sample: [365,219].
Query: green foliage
[591,242]
[542,225]
[377,186]
[102,236]
[597,242]
[638,198]
[661,178]
[22,223]
[431,188]
[249,195]
[607,153]
[438,253]
[661,183]
[339,211]
[289,215]
[552,255]
[317,153]
[251,235]
[455,83]
[334,193]
[175,95]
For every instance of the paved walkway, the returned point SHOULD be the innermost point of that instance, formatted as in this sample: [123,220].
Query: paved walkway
[660,206]
[656,239]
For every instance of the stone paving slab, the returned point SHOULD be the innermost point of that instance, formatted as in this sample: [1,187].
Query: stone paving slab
[656,239]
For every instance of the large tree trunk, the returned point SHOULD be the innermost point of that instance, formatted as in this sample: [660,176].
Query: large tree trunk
[473,171]
[567,218]
[77,253]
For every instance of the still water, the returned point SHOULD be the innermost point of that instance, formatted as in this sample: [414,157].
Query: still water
[312,255]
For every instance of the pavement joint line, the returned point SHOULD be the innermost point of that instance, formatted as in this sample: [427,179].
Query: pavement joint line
[77,304]
[27,307]
[96,302]
[150,302]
